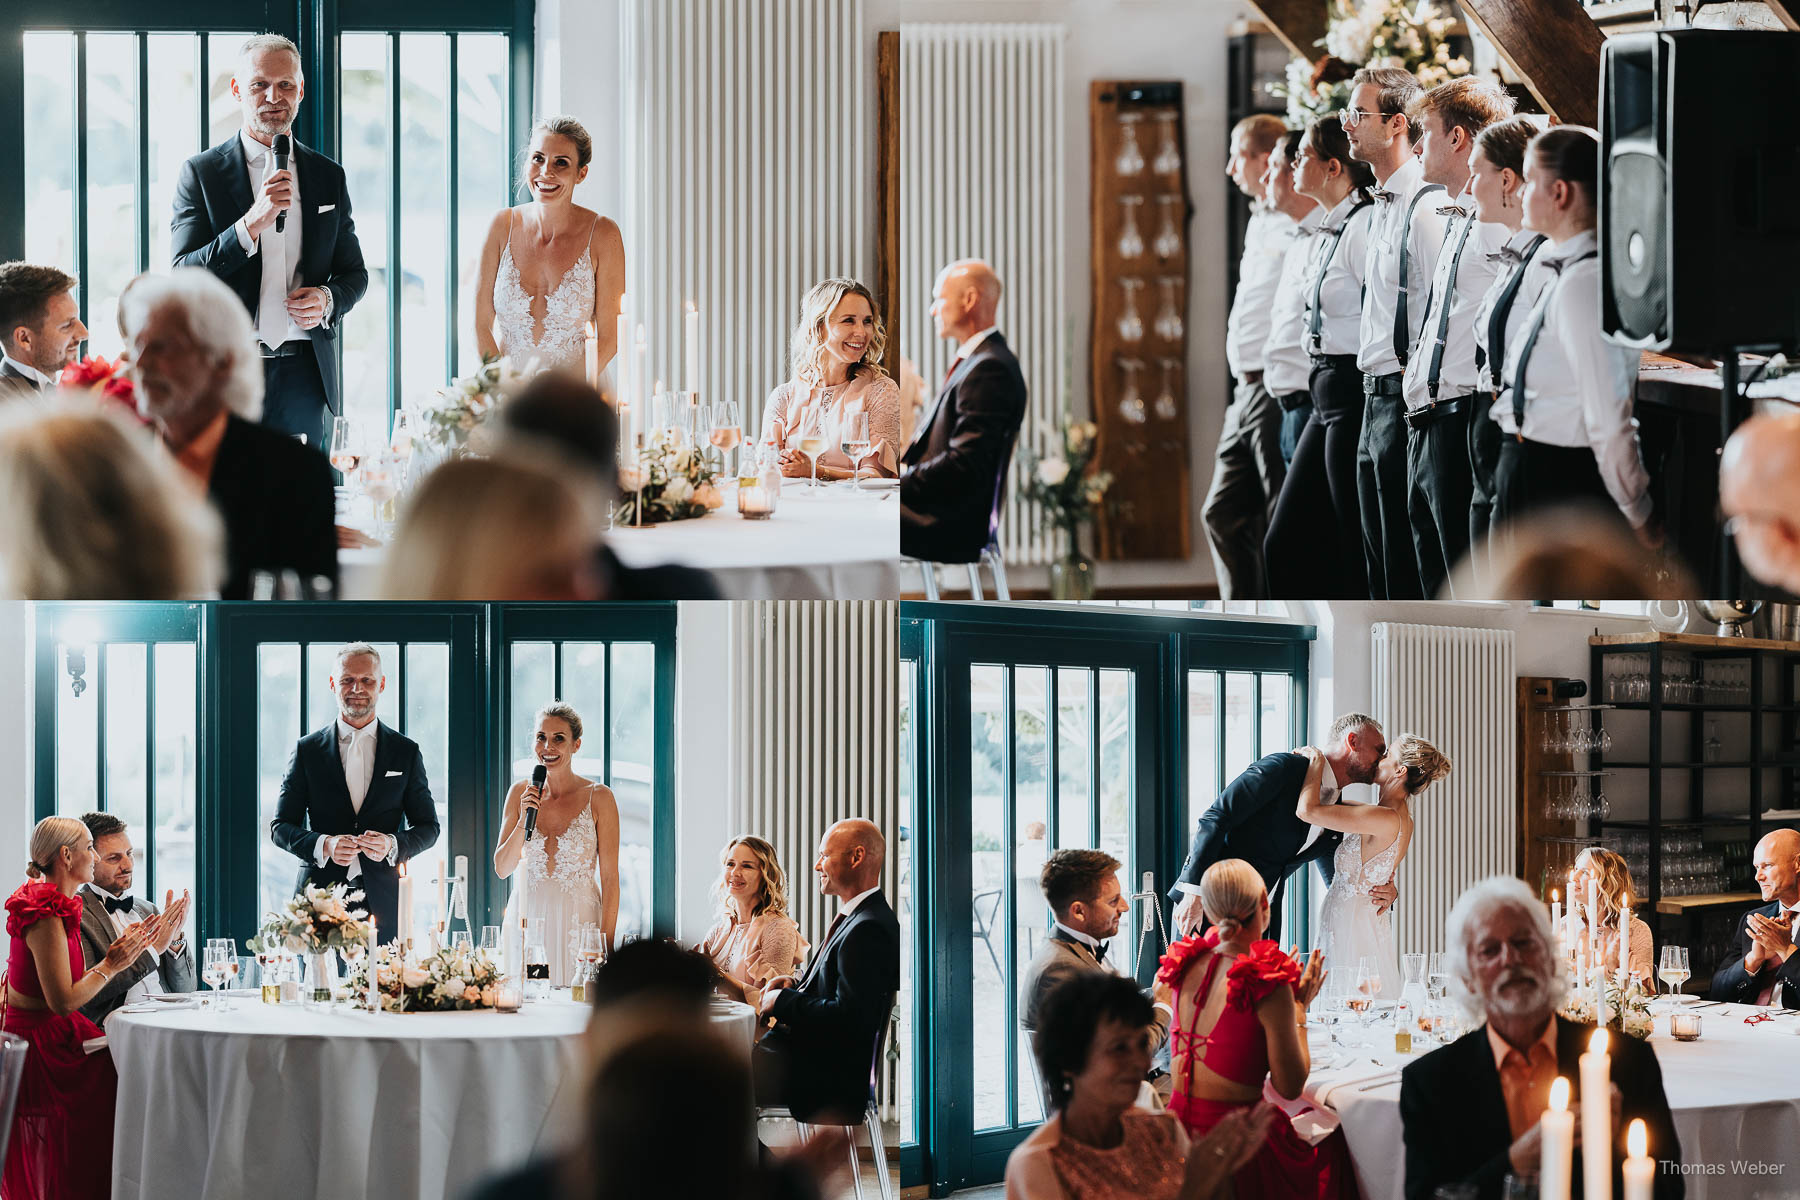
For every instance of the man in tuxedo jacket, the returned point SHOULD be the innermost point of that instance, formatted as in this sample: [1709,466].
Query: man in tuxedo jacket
[952,473]
[298,281]
[356,803]
[201,387]
[1254,819]
[107,907]
[1762,967]
[818,1058]
[1470,1111]
[40,328]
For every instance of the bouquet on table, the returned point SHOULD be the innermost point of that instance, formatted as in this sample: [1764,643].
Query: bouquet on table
[451,980]
[1627,1008]
[670,481]
[318,920]
[455,420]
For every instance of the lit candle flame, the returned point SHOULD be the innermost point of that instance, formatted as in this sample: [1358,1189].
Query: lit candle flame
[1559,1095]
[1637,1141]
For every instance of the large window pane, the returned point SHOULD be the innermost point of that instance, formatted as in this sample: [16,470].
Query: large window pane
[173,130]
[633,716]
[1116,803]
[908,899]
[176,775]
[1074,823]
[1031,814]
[584,688]
[367,123]
[224,115]
[987,873]
[1277,714]
[127,793]
[533,685]
[77,733]
[50,149]
[427,722]
[424,183]
[1240,723]
[1203,743]
[278,727]
[112,163]
[481,167]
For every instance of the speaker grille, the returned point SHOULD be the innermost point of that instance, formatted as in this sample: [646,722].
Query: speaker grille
[1637,221]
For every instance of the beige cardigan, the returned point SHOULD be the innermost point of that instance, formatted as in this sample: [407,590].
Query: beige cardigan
[757,952]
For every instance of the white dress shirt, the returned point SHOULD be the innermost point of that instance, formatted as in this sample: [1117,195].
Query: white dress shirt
[1476,268]
[280,251]
[356,749]
[853,902]
[1286,365]
[151,982]
[1341,297]
[974,343]
[1580,388]
[1375,353]
[1524,300]
[1266,241]
[27,370]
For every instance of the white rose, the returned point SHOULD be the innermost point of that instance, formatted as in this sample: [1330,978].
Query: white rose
[415,977]
[678,491]
[1052,471]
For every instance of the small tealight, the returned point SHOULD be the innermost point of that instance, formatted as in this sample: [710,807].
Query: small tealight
[508,998]
[1685,1026]
[290,991]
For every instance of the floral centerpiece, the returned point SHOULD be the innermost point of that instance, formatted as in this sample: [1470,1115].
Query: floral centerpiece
[106,379]
[455,420]
[1374,33]
[1627,1008]
[1066,489]
[452,980]
[671,481]
[315,922]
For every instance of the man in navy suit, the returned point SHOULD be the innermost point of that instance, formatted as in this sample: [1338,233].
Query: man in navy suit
[1763,968]
[1254,819]
[951,475]
[298,280]
[356,803]
[818,1058]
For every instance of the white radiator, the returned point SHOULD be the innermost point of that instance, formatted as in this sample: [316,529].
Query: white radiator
[816,738]
[747,158]
[981,176]
[1453,687]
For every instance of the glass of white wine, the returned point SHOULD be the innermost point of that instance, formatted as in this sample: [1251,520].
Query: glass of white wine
[1673,969]
[812,440]
[854,438]
[727,430]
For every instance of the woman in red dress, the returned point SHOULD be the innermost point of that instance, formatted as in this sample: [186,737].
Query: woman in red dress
[1240,1011]
[61,1145]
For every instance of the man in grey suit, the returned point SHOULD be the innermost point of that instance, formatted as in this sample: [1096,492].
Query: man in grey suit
[107,906]
[1082,889]
[40,328]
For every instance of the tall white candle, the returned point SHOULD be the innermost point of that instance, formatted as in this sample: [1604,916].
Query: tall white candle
[1556,925]
[1557,1144]
[1640,1168]
[405,907]
[692,339]
[622,354]
[1593,929]
[374,984]
[1625,936]
[1596,1118]
[593,354]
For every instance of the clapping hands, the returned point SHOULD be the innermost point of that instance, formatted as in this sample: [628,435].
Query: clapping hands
[1312,976]
[169,923]
[123,952]
[1771,941]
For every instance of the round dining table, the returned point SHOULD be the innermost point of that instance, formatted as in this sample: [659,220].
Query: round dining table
[837,543]
[245,1099]
[1734,1094]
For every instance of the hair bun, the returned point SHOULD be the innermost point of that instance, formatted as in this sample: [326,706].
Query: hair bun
[33,870]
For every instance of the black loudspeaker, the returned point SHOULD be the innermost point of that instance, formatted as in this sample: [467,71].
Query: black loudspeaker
[1699,204]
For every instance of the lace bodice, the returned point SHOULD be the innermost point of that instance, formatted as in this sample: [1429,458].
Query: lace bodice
[567,310]
[1349,868]
[567,860]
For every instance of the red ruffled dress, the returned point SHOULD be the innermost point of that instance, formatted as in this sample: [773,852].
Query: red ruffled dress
[62,1134]
[1237,1048]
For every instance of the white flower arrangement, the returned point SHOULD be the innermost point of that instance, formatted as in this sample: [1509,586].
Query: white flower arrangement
[1061,483]
[452,980]
[1370,33]
[315,921]
[671,481]
[455,420]
[1627,1009]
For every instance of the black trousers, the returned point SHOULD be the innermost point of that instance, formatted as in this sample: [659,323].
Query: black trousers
[1393,568]
[1531,475]
[1484,457]
[294,399]
[1437,497]
[1314,547]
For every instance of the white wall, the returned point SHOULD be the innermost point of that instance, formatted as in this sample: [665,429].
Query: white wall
[1142,39]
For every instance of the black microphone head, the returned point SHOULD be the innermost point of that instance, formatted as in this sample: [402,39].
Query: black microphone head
[282,145]
[539,773]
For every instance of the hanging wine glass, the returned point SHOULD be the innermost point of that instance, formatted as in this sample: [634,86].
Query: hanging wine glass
[1131,159]
[1131,326]
[1168,156]
[1168,321]
[1165,406]
[1131,242]
[1131,402]
[1168,238]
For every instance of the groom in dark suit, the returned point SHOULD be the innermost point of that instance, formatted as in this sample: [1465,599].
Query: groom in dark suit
[818,1059]
[1762,967]
[355,803]
[1254,819]
[951,475]
[282,240]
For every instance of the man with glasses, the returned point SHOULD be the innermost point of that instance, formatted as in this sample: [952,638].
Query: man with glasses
[1759,495]
[1402,257]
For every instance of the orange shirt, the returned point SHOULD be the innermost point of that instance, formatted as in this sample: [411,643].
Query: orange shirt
[1525,1080]
[198,456]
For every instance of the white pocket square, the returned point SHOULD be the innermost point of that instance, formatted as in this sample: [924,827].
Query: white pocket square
[325,208]
[391,774]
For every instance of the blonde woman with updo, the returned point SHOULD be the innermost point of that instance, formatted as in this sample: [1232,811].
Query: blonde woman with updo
[754,940]
[61,1144]
[1240,1017]
[1612,878]
[571,855]
[550,267]
[837,374]
[1376,839]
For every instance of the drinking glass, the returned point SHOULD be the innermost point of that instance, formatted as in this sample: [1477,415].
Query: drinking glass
[1131,326]
[1131,242]
[853,436]
[461,941]
[812,439]
[401,439]
[727,429]
[1673,968]
[1168,324]
[346,453]
[219,965]
[490,940]
[1168,240]
[1130,160]
[1131,401]
[1368,986]
[1166,407]
[381,484]
[1168,154]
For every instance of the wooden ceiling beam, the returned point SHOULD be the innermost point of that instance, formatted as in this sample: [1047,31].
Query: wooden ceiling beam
[1553,46]
[1300,24]
[1787,12]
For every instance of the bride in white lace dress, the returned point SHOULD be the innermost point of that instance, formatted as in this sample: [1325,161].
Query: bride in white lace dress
[571,862]
[550,267]
[1376,838]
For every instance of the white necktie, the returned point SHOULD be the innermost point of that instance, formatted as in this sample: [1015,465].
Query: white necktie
[358,763]
[271,308]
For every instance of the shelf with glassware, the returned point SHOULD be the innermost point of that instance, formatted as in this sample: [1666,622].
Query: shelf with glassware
[1139,213]
[1701,775]
[1555,793]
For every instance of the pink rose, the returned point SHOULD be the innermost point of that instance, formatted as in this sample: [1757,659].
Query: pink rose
[472,995]
[708,495]
[489,995]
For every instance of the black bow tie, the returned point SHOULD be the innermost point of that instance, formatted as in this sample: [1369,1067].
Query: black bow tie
[1454,210]
[122,904]
[1385,197]
[1506,254]
[1100,951]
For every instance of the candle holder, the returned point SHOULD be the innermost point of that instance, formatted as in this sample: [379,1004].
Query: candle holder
[508,997]
[1685,1026]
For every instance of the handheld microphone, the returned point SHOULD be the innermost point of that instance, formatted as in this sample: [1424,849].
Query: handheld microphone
[281,147]
[538,774]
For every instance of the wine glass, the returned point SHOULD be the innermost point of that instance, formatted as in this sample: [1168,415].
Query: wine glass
[1131,242]
[381,484]
[1168,155]
[1368,985]
[727,431]
[1168,241]
[812,438]
[1131,401]
[1130,160]
[854,438]
[1165,406]
[346,454]
[1673,968]
[1131,325]
[219,965]
[490,941]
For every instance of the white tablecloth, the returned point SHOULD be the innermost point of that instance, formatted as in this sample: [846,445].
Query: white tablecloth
[836,545]
[253,1099]
[1735,1095]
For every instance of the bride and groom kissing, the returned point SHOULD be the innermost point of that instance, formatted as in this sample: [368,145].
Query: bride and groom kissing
[1286,810]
